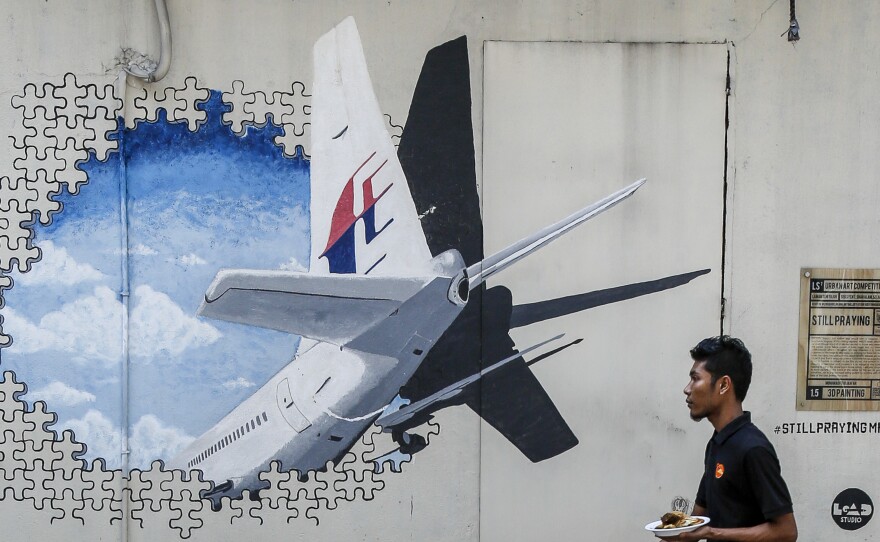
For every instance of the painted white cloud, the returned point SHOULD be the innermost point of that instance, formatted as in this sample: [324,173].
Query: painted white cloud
[150,439]
[59,393]
[159,326]
[141,249]
[102,438]
[59,268]
[192,259]
[28,337]
[238,383]
[293,265]
[90,328]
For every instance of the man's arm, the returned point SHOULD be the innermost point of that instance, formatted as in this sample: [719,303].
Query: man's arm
[778,529]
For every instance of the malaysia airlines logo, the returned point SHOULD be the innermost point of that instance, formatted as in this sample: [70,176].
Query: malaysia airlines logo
[340,249]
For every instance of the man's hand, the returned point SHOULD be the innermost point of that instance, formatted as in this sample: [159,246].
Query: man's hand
[690,536]
[778,529]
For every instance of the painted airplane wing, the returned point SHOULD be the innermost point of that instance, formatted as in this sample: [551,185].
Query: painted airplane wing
[332,309]
[363,219]
[480,271]
[390,419]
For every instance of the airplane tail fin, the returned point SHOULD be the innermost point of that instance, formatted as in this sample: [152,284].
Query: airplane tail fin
[363,220]
[480,271]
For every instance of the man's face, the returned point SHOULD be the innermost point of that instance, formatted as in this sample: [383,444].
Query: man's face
[702,396]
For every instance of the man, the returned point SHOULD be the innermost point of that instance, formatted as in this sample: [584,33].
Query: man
[742,490]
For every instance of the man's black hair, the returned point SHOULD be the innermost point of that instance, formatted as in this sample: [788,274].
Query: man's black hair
[726,355]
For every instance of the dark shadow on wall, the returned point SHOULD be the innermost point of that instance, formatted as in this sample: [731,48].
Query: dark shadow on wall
[530,313]
[437,154]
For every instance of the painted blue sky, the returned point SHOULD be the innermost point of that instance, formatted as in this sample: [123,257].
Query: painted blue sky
[196,202]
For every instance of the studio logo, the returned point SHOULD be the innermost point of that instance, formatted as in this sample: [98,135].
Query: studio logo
[852,509]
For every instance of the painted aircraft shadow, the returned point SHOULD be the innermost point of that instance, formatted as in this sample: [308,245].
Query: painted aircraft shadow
[437,155]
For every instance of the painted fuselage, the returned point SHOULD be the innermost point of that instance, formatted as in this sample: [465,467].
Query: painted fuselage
[314,409]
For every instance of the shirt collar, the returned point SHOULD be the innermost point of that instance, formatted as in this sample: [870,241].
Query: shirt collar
[720,437]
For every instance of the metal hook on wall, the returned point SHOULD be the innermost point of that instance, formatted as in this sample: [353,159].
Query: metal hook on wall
[794,28]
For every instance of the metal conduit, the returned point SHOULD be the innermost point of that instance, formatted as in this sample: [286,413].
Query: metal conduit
[164,52]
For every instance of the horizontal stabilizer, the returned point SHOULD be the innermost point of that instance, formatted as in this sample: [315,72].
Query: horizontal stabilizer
[396,417]
[330,308]
[479,272]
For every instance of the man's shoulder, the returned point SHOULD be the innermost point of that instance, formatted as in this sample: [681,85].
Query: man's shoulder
[750,437]
[753,430]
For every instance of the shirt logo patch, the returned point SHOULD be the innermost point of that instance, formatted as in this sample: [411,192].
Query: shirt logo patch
[719,470]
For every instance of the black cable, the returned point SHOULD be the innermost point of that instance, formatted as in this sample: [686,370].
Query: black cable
[793,26]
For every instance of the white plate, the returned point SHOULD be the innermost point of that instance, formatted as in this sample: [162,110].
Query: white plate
[663,533]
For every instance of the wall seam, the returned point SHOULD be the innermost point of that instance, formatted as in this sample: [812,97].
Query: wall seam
[124,294]
[480,183]
[729,175]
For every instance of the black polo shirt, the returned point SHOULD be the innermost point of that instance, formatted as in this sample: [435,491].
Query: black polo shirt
[742,485]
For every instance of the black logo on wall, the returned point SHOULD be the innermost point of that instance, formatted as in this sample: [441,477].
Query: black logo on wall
[852,509]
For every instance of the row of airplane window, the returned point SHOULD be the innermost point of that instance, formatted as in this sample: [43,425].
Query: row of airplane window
[229,439]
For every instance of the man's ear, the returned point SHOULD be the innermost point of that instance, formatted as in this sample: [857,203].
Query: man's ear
[725,385]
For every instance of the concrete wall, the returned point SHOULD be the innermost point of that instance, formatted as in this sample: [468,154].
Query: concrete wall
[790,180]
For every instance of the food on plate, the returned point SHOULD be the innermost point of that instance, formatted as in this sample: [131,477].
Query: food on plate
[675,520]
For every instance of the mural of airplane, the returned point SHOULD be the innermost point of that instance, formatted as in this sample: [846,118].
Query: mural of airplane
[376,300]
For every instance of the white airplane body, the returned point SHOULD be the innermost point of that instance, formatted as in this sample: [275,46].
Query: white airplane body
[372,306]
[317,406]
